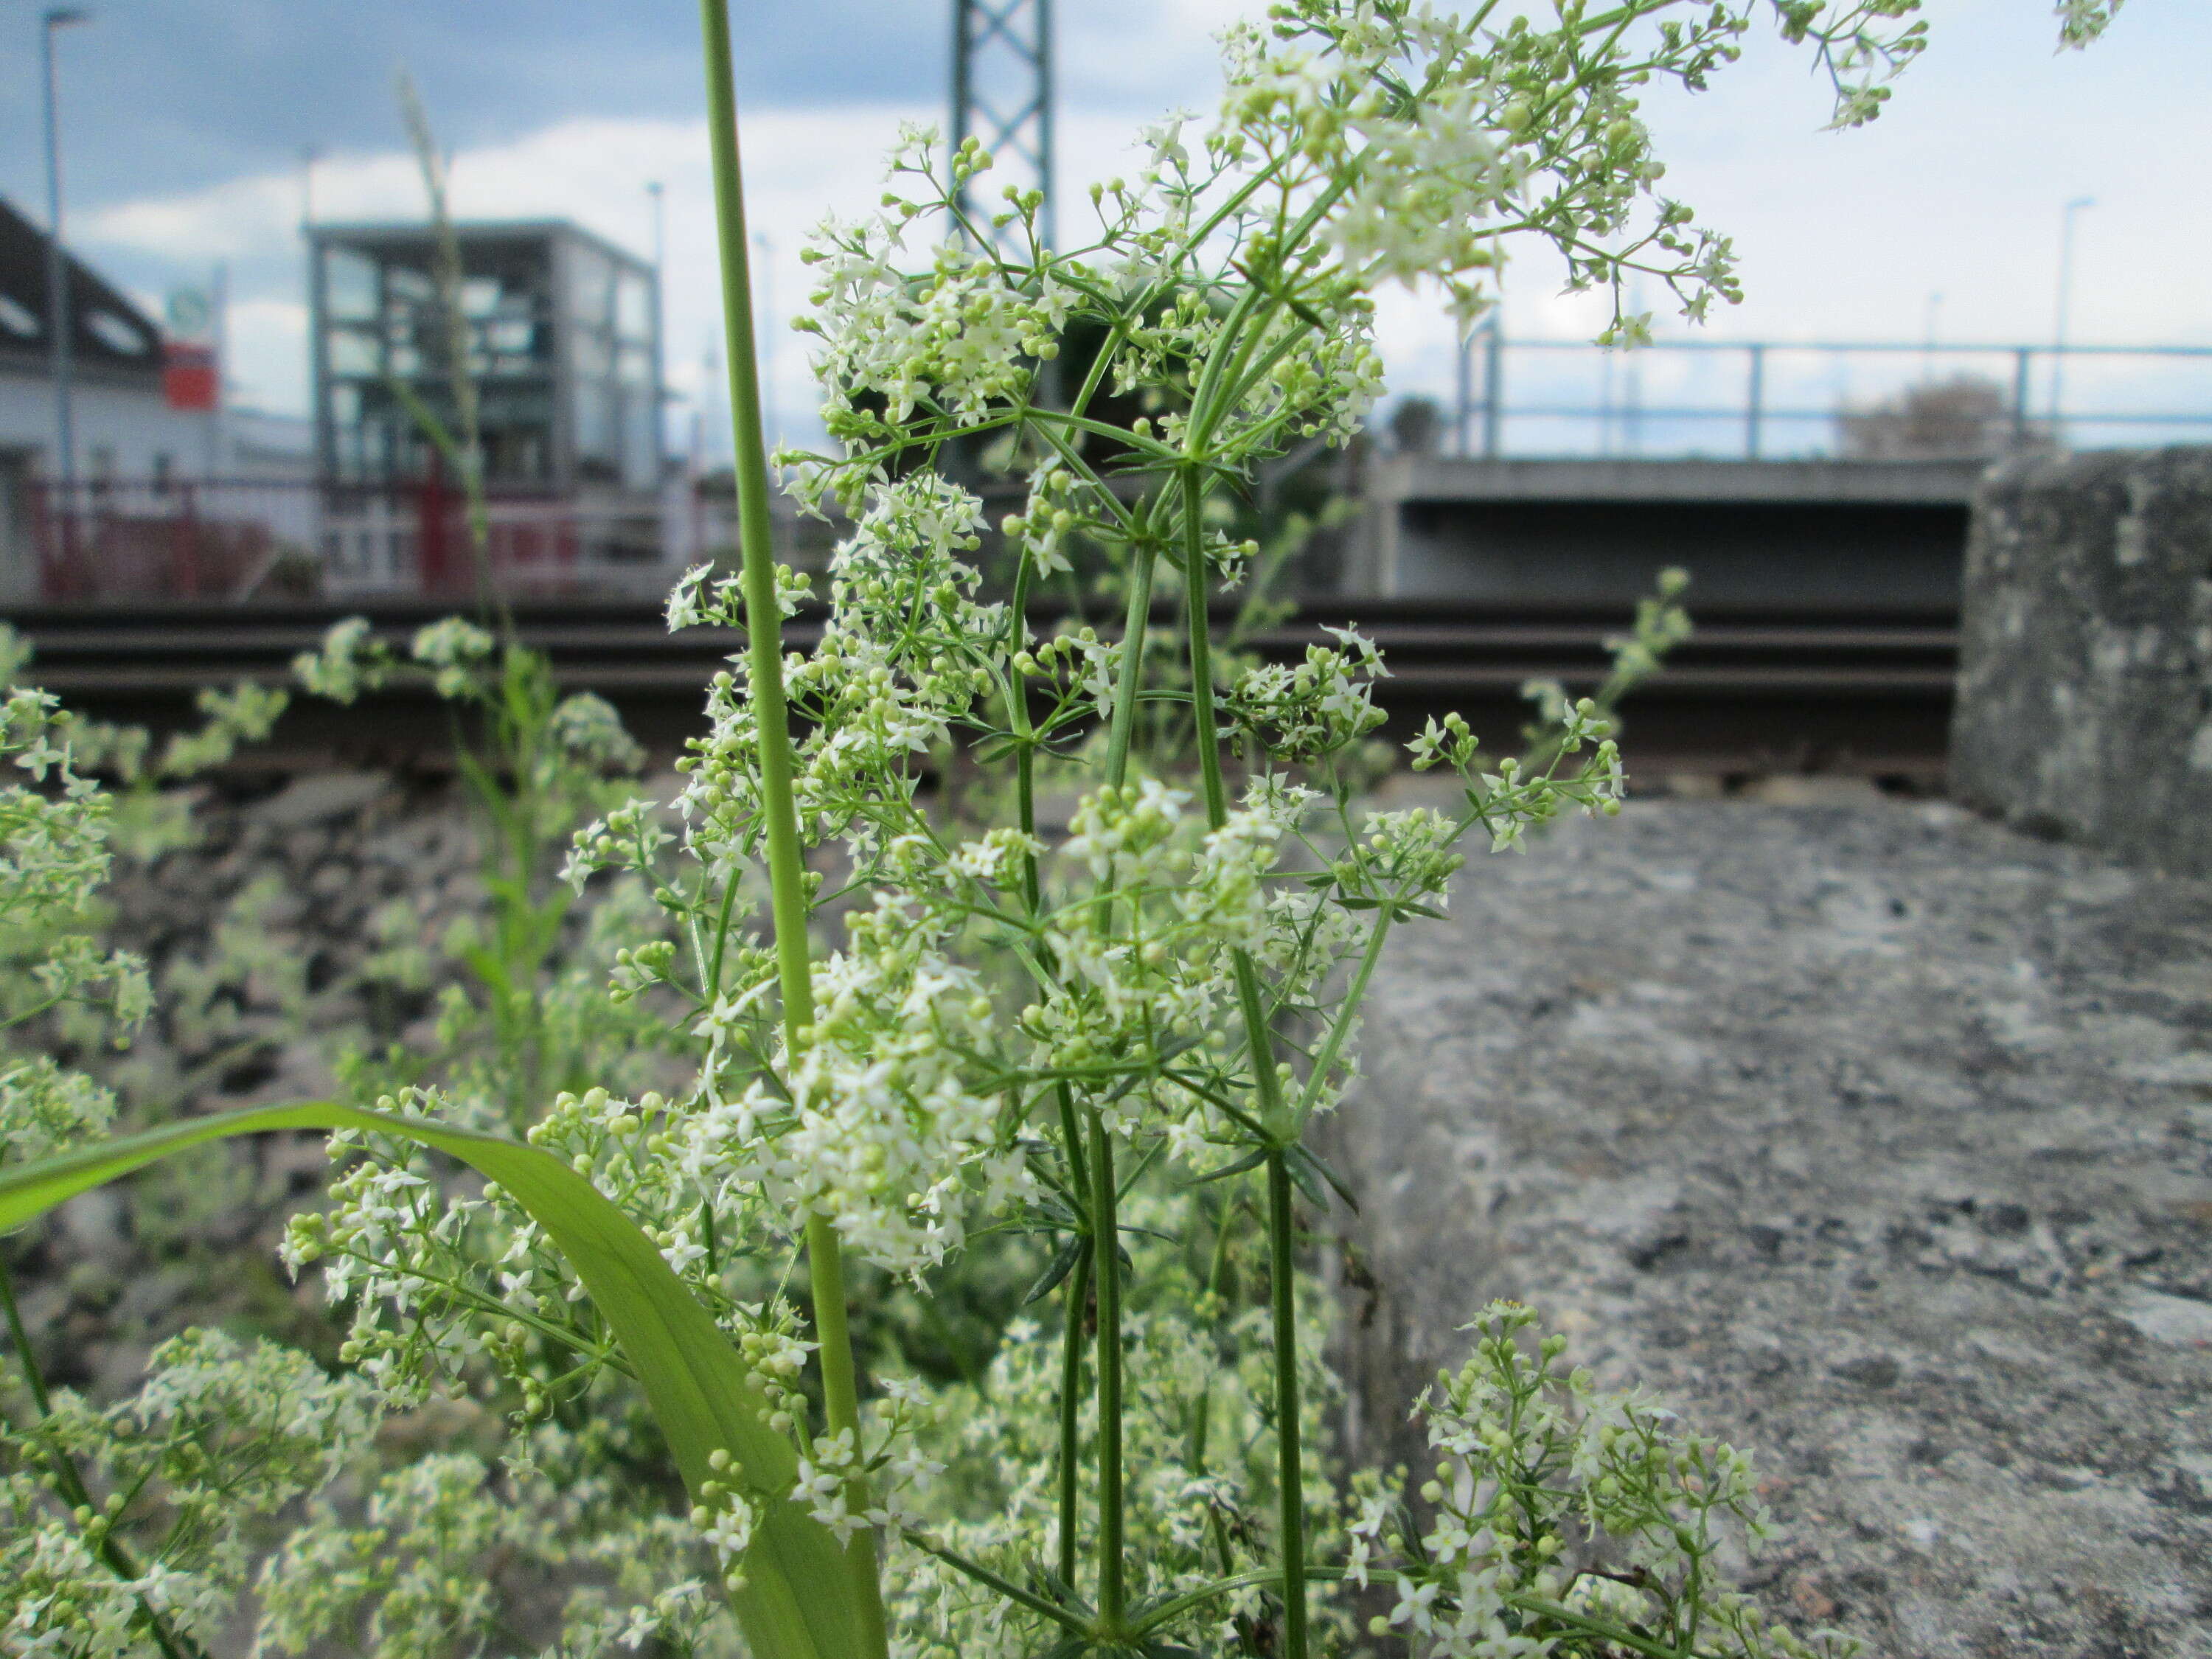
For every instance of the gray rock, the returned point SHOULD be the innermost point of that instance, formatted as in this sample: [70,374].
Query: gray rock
[95,1227]
[2086,649]
[1878,1140]
[316,798]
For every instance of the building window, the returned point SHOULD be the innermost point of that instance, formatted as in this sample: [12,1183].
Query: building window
[349,286]
[117,335]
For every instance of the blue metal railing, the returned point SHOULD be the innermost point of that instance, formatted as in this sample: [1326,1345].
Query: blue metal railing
[1620,420]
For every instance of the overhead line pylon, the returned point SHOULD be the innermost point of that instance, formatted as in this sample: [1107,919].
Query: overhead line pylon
[1002,96]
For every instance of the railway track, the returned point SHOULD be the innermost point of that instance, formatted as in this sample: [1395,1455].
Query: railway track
[1865,691]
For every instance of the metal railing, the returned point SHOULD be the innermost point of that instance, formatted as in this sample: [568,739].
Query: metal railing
[235,540]
[1767,393]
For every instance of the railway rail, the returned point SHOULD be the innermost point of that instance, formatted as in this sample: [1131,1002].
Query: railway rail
[1863,690]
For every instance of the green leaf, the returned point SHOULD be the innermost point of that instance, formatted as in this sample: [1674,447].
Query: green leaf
[1250,1161]
[1302,1173]
[801,1600]
[1319,1165]
[1062,1263]
[1405,907]
[490,970]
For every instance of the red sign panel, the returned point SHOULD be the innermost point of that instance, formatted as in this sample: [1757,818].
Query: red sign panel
[189,376]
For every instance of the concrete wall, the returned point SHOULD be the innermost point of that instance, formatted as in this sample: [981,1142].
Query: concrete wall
[2085,689]
[1585,532]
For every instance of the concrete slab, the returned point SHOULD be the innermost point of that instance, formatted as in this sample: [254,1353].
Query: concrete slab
[1878,1139]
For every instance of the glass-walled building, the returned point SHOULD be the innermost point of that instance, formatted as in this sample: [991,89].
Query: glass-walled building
[564,349]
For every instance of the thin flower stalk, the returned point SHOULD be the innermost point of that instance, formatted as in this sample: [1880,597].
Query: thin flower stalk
[764,642]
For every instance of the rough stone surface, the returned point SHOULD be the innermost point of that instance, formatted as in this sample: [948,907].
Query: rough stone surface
[2085,689]
[1879,1139]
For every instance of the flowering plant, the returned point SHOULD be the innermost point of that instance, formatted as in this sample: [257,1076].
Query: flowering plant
[1107,1038]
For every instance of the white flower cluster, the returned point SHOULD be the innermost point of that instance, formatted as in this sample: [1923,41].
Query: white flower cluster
[951,341]
[875,1122]
[1056,510]
[55,853]
[455,651]
[2080,22]
[245,713]
[899,661]
[1142,966]
[1079,668]
[350,660]
[44,1109]
[1661,625]
[1561,1513]
[699,599]
[1312,709]
[893,1473]
[221,1438]
[726,1518]
[424,1565]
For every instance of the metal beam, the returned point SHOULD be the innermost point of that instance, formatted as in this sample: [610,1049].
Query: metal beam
[1002,96]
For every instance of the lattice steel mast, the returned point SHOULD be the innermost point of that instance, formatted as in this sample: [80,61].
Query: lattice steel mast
[1002,96]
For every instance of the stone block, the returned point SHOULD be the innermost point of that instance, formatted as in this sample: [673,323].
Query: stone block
[1872,1138]
[2085,681]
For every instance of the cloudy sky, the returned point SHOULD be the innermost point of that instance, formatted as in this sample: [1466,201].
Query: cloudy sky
[184,121]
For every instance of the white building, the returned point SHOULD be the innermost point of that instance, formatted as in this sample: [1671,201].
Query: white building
[127,435]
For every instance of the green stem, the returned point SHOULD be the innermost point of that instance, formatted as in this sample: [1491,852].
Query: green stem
[1071,1409]
[1105,1235]
[1105,1227]
[1006,1586]
[1325,1060]
[1137,619]
[1206,730]
[1018,723]
[1282,1294]
[764,641]
[1167,1612]
[1078,1283]
[1198,595]
[1260,1045]
[33,1376]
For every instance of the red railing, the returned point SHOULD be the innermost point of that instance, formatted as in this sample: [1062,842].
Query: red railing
[107,540]
[239,539]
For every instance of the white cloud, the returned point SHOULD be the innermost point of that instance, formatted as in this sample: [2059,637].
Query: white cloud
[799,166]
[1957,189]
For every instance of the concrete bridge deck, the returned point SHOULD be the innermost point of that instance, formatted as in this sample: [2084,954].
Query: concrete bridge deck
[1597,531]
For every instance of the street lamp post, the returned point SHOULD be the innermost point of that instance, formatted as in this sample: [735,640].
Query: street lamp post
[2065,299]
[659,194]
[56,19]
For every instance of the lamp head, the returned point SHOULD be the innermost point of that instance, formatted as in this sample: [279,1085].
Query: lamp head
[61,17]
